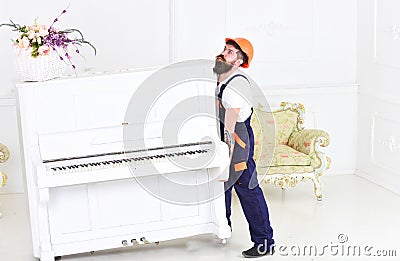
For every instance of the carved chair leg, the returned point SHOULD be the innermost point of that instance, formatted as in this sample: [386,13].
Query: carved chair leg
[283,189]
[318,186]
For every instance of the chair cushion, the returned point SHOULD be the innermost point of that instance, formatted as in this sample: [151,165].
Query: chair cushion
[283,156]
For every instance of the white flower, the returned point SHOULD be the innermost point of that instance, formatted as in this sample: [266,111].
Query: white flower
[31,34]
[43,31]
[23,43]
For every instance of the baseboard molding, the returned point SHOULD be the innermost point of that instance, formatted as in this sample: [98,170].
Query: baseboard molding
[12,193]
[391,186]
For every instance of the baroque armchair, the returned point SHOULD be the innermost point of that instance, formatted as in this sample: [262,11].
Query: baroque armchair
[284,151]
[4,155]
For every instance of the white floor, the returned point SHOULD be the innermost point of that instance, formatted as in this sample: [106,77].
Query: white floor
[356,220]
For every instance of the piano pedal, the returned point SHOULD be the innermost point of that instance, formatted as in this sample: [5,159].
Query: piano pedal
[134,242]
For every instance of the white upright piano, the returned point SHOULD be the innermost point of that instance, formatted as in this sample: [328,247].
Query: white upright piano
[98,177]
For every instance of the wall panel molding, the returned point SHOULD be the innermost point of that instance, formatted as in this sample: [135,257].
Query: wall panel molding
[300,89]
[7,101]
[385,141]
[387,33]
[281,30]
[381,97]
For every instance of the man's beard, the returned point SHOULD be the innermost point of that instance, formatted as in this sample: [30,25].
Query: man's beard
[221,66]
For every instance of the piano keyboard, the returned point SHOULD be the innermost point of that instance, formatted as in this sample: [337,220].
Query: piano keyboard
[126,159]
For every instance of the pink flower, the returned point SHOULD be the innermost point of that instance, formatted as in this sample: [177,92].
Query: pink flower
[44,50]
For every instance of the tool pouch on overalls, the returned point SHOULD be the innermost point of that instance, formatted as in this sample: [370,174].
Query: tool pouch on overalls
[240,153]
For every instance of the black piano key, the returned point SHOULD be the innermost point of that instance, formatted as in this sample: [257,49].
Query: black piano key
[124,160]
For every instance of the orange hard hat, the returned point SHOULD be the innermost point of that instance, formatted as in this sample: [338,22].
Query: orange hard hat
[246,47]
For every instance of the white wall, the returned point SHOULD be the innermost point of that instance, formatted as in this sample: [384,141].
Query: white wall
[303,51]
[378,74]
[127,34]
[330,108]
[296,41]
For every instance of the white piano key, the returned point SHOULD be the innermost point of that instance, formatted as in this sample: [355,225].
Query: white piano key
[143,158]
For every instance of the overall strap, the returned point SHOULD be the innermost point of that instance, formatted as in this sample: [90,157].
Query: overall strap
[227,82]
[221,111]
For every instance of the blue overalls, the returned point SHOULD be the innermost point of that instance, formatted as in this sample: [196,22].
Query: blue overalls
[243,177]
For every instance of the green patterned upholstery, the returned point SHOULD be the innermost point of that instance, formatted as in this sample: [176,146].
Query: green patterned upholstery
[283,156]
[285,152]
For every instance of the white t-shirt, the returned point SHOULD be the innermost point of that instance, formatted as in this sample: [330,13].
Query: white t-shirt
[237,95]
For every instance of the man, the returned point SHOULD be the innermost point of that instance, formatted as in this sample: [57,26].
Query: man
[235,112]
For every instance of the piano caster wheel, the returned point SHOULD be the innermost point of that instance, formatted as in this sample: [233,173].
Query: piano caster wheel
[57,258]
[124,243]
[144,240]
[157,243]
[91,252]
[223,241]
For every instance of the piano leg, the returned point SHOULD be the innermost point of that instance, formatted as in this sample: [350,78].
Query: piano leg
[46,251]
[223,230]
